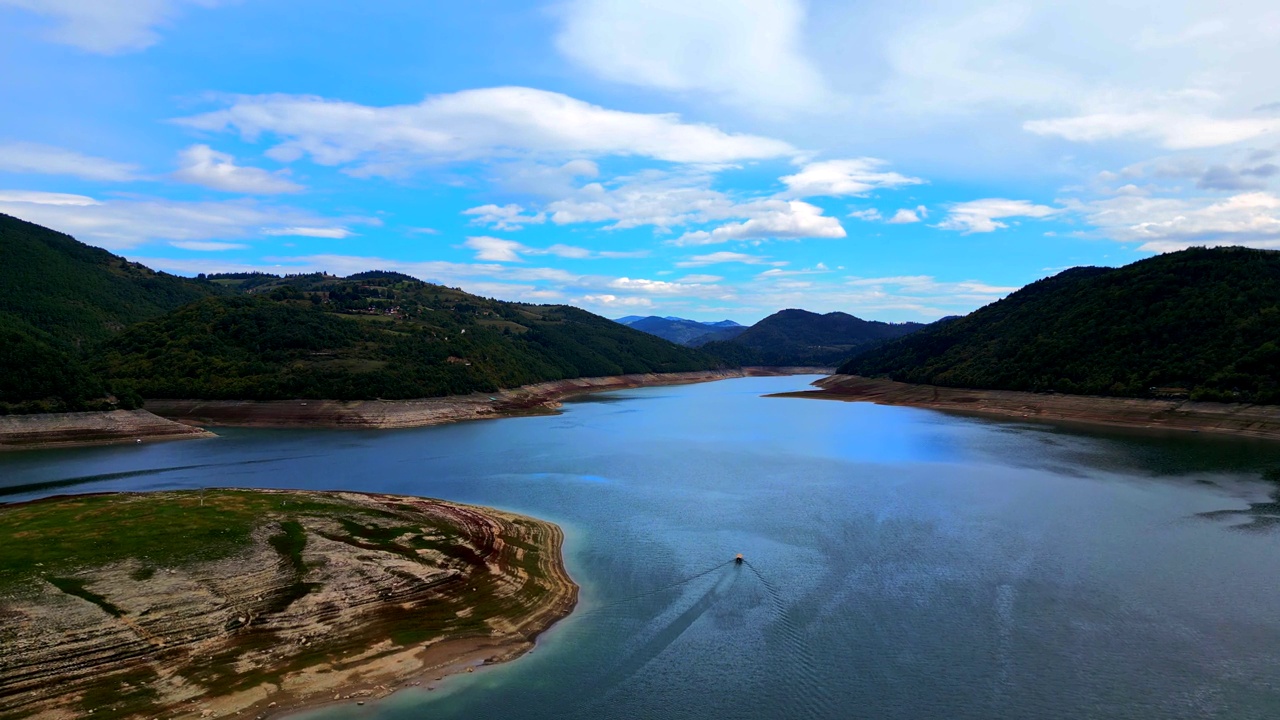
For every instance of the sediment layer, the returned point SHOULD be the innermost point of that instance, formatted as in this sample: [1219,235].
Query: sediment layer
[1261,421]
[326,597]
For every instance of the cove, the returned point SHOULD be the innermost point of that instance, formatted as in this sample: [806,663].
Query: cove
[901,563]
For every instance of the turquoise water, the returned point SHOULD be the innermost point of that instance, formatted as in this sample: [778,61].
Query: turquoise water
[902,563]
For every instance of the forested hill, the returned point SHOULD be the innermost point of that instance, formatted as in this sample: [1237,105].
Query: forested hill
[58,299]
[373,335]
[1200,322]
[80,294]
[81,328]
[800,337]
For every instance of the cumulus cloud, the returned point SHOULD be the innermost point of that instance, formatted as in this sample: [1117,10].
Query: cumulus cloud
[906,216]
[834,178]
[868,215]
[125,223]
[746,52]
[483,123]
[723,257]
[503,217]
[107,27]
[983,216]
[49,160]
[1168,224]
[790,220]
[202,165]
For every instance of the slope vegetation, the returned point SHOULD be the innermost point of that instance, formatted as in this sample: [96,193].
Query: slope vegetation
[1204,323]
[373,335]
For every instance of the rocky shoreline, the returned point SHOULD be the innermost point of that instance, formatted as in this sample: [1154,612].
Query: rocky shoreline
[1258,421]
[329,597]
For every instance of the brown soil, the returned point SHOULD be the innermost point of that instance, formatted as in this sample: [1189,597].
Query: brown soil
[22,432]
[536,399]
[1261,421]
[424,588]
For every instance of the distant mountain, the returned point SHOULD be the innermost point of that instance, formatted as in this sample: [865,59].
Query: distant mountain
[800,337]
[1200,322]
[78,323]
[683,332]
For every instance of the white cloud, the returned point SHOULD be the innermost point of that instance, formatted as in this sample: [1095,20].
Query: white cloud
[123,223]
[717,258]
[202,165]
[36,197]
[868,215]
[49,160]
[207,246]
[656,287]
[906,216]
[495,249]
[792,220]
[701,279]
[106,26]
[514,122]
[855,176]
[613,301]
[747,52]
[983,216]
[332,233]
[499,250]
[1167,224]
[504,217]
[1171,130]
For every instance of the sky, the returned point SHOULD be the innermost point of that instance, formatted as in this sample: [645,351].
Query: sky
[709,159]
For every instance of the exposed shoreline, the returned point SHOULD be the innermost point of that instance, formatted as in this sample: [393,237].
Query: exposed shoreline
[28,432]
[537,399]
[1255,421]
[338,642]
[185,419]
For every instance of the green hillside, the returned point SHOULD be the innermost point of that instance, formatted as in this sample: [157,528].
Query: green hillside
[58,299]
[79,294]
[372,335]
[1203,321]
[800,337]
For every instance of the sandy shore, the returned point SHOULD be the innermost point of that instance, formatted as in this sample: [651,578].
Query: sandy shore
[536,399]
[25,432]
[426,588]
[1260,421]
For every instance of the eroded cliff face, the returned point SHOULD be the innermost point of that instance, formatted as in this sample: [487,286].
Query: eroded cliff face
[328,595]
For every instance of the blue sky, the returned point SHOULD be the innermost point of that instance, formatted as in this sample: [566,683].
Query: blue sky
[723,158]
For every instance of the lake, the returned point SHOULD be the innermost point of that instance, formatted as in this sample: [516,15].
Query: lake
[902,563]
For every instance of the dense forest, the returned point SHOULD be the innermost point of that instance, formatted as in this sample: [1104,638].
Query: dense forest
[84,329]
[800,337]
[1202,323]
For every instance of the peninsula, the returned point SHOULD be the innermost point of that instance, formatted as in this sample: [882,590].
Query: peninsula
[214,603]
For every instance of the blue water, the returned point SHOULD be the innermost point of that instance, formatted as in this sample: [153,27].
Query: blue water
[903,563]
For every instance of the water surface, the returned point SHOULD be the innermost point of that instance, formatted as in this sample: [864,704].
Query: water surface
[903,563]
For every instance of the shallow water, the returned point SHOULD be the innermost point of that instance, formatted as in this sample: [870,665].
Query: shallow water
[902,563]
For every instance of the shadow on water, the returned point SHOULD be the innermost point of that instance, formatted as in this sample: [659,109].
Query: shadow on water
[127,474]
